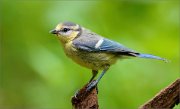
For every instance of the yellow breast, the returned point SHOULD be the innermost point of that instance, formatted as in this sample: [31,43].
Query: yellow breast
[91,60]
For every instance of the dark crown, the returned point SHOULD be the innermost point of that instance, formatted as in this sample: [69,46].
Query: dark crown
[69,24]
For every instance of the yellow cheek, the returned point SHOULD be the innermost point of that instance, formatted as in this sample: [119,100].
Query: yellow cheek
[69,38]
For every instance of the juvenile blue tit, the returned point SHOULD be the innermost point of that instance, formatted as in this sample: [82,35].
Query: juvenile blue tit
[91,50]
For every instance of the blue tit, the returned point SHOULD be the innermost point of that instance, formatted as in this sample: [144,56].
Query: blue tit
[91,50]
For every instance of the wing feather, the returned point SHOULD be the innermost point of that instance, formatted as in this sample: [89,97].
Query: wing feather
[88,43]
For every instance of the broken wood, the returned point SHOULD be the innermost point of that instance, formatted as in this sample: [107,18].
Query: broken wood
[84,99]
[166,98]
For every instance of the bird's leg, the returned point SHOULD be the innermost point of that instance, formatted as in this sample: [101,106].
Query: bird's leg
[94,83]
[94,73]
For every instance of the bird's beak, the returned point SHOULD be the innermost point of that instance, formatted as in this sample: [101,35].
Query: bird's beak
[54,32]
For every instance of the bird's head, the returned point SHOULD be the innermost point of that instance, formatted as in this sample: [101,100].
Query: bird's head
[67,31]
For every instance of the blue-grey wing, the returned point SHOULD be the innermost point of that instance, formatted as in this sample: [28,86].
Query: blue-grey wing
[91,42]
[112,46]
[102,45]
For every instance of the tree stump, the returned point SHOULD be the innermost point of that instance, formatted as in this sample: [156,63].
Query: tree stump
[84,99]
[166,98]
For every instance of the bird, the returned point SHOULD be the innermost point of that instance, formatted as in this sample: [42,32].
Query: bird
[93,51]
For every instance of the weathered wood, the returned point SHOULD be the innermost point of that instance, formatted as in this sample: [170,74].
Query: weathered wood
[84,99]
[166,98]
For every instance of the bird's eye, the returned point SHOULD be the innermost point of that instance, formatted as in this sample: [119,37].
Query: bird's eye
[65,29]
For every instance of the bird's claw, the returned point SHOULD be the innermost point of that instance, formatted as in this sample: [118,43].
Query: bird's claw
[76,93]
[91,85]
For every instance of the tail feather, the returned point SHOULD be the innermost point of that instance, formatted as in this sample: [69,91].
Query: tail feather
[151,57]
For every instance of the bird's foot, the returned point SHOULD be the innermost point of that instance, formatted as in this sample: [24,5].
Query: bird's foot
[91,85]
[76,94]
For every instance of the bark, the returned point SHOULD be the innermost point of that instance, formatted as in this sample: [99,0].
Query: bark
[84,99]
[166,98]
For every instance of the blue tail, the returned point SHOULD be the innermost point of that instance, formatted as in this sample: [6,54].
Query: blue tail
[151,57]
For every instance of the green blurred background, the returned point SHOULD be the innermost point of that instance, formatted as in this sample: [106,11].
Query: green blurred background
[35,73]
